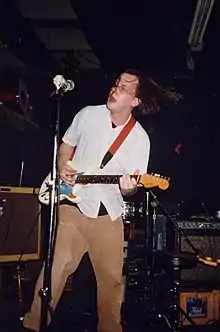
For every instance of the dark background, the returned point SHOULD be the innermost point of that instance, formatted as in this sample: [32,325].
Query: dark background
[148,35]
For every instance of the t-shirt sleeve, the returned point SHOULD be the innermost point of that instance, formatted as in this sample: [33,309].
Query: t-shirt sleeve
[72,135]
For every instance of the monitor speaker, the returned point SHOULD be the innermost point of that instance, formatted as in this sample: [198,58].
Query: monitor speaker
[208,243]
[20,224]
[201,307]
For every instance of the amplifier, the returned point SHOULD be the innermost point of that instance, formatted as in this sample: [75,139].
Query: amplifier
[20,224]
[205,237]
[201,307]
[197,225]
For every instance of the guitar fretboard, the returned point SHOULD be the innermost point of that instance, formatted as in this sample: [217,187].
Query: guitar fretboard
[111,179]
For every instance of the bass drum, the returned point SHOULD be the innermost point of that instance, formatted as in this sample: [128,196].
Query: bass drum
[132,211]
[129,212]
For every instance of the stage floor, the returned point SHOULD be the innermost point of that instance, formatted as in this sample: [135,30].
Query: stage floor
[76,310]
[73,315]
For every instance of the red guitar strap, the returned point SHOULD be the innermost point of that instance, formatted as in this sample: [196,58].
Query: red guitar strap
[118,141]
[72,154]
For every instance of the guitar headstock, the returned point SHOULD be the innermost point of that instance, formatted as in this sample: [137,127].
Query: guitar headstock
[153,180]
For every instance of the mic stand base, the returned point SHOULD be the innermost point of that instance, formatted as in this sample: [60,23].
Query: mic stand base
[46,308]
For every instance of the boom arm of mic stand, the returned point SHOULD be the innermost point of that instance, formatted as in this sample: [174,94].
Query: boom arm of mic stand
[180,231]
[45,292]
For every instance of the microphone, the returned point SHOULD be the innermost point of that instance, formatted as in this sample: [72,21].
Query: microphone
[62,84]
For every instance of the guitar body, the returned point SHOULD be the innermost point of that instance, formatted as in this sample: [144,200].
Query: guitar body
[66,192]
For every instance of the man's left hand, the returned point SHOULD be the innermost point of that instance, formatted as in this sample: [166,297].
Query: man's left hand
[128,184]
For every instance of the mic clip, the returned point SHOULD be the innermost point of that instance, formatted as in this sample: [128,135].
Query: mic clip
[62,85]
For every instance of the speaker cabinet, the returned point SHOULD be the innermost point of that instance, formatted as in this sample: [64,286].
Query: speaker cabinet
[20,224]
[208,243]
[201,307]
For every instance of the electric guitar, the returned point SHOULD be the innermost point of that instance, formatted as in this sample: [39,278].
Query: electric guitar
[70,192]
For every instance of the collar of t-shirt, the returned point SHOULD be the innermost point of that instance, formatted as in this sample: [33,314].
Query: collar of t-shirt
[114,125]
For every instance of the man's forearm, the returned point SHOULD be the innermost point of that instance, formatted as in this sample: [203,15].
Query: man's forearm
[65,153]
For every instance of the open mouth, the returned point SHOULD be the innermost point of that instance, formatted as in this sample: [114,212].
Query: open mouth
[112,99]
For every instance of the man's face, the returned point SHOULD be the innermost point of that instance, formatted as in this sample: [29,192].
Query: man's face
[122,96]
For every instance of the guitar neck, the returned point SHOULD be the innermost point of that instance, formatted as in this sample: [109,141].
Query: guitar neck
[105,179]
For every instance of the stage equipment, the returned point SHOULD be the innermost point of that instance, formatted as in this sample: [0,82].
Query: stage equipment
[205,235]
[20,224]
[200,20]
[134,237]
[129,212]
[14,95]
[20,230]
[168,263]
[172,263]
[201,307]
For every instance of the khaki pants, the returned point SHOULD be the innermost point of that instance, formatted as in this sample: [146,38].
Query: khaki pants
[103,239]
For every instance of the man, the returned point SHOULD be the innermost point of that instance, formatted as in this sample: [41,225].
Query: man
[95,224]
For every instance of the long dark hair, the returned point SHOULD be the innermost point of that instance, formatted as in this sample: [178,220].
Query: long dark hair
[152,95]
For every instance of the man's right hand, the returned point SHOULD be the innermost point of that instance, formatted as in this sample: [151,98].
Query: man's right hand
[67,175]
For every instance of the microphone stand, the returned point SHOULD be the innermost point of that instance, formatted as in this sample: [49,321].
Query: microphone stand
[45,292]
[18,275]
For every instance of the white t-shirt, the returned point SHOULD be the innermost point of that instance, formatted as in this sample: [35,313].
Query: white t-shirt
[91,131]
